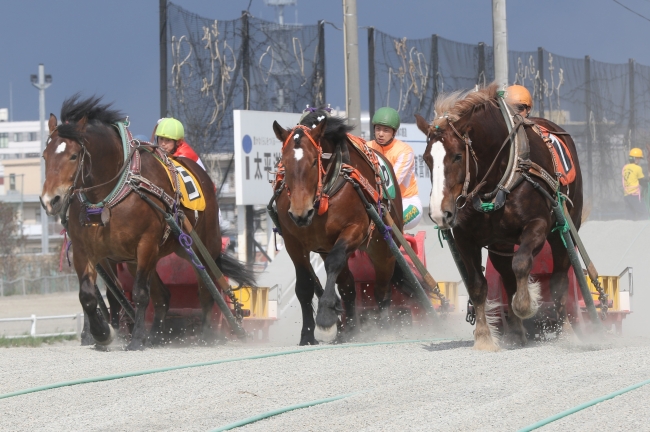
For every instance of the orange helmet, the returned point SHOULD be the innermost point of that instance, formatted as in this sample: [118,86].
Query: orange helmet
[519,95]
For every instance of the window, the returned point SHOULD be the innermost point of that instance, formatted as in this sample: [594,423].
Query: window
[33,136]
[32,155]
[4,139]
[18,137]
[12,182]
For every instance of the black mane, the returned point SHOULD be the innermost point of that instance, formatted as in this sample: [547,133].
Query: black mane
[336,129]
[74,109]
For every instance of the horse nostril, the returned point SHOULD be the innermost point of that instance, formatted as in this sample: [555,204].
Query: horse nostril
[447,215]
[310,213]
[55,200]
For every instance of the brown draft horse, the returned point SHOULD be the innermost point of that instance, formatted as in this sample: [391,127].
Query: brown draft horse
[342,229]
[85,151]
[525,219]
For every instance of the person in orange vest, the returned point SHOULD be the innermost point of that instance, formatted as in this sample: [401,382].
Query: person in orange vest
[633,180]
[520,99]
[385,122]
[170,136]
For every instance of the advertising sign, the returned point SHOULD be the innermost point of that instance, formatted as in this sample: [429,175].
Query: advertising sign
[257,150]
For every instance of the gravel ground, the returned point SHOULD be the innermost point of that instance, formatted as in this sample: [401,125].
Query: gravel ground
[443,386]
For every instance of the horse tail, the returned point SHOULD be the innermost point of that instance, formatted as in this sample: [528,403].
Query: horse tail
[237,270]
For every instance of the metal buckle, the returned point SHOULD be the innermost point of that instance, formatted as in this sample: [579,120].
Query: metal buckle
[464,203]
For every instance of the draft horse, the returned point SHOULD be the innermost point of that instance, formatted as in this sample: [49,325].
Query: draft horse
[464,153]
[84,157]
[319,211]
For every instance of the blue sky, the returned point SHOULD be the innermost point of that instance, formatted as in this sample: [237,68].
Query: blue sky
[110,48]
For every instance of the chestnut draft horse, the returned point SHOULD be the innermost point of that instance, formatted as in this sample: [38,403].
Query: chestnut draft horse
[85,157]
[333,226]
[463,143]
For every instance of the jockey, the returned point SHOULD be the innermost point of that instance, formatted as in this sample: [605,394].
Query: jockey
[633,179]
[169,134]
[385,123]
[519,98]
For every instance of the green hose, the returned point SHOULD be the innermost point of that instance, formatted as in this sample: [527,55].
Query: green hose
[580,407]
[278,411]
[193,365]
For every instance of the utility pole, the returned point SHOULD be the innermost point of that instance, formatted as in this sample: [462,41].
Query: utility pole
[500,42]
[41,82]
[352,86]
[162,5]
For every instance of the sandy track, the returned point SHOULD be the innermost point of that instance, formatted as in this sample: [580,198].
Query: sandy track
[446,386]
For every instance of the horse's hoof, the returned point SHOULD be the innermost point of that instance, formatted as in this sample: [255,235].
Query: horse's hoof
[305,341]
[109,339]
[135,345]
[326,335]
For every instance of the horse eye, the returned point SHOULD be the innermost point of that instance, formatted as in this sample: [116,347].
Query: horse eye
[73,157]
[458,157]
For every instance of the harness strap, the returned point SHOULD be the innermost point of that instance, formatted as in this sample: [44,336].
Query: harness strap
[354,174]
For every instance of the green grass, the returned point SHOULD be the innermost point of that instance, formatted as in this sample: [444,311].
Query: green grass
[33,341]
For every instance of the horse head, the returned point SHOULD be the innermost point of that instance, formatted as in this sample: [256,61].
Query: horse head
[445,156]
[64,158]
[301,159]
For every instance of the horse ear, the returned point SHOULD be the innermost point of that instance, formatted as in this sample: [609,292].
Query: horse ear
[280,132]
[51,123]
[81,124]
[318,131]
[422,124]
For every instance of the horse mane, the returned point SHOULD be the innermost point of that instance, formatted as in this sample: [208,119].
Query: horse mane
[453,106]
[74,109]
[336,129]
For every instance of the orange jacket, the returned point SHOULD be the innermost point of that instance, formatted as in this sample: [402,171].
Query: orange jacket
[401,156]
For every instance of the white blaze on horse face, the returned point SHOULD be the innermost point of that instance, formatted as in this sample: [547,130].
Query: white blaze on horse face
[437,153]
[61,147]
[297,153]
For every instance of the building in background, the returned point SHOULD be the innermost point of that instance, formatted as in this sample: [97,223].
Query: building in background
[20,179]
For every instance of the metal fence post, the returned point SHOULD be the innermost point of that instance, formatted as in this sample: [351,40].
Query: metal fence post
[540,82]
[32,331]
[632,107]
[371,78]
[435,66]
[24,292]
[590,144]
[79,326]
[481,79]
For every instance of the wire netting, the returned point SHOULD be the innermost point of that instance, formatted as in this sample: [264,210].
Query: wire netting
[248,63]
[605,107]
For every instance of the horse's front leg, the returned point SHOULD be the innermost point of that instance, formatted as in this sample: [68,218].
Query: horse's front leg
[347,289]
[525,302]
[95,324]
[515,333]
[383,262]
[147,255]
[560,282]
[329,303]
[485,333]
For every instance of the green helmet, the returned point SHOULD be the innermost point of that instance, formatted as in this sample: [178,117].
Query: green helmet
[386,116]
[170,128]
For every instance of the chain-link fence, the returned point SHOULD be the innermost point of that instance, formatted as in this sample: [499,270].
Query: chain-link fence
[247,63]
[606,107]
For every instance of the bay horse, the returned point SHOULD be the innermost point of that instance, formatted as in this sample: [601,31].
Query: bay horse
[335,233]
[85,154]
[470,131]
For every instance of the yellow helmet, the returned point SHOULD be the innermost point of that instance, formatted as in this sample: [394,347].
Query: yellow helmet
[170,128]
[519,95]
[636,152]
